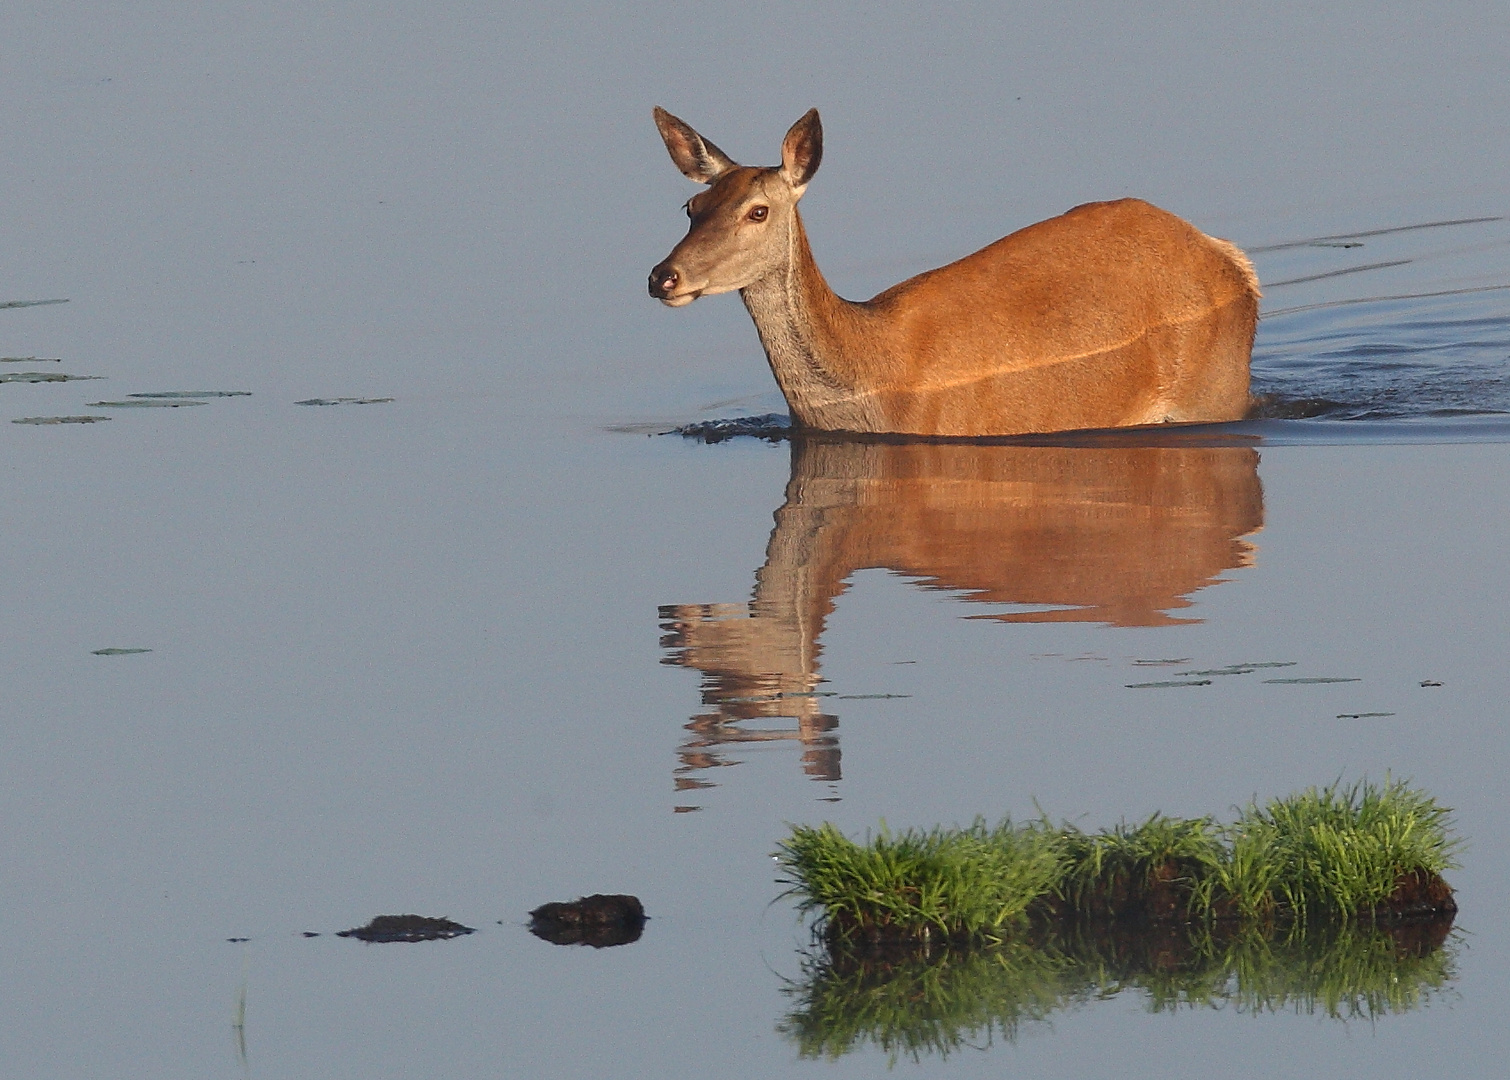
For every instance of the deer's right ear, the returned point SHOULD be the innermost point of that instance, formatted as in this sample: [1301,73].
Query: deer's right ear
[698,159]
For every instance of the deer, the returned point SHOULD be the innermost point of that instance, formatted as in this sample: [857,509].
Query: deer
[1111,315]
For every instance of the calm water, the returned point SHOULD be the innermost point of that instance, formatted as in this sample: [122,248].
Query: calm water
[489,644]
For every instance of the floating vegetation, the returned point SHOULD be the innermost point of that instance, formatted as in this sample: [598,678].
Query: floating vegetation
[914,1003]
[119,652]
[344,401]
[1315,681]
[30,303]
[31,359]
[390,928]
[44,377]
[601,920]
[1369,851]
[772,427]
[1241,669]
[171,394]
[59,419]
[145,403]
[1168,682]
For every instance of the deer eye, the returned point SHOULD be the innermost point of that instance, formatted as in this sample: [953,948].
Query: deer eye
[758,213]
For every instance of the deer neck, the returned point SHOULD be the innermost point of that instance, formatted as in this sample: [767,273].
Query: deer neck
[809,336]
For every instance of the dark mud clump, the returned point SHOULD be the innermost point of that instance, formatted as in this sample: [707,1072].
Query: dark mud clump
[1419,896]
[600,920]
[386,928]
[772,427]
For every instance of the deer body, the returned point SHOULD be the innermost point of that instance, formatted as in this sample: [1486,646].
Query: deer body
[1113,314]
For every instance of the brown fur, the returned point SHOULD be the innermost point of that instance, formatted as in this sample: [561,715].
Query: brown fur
[1110,315]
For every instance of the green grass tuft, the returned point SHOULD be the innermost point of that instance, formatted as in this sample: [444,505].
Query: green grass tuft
[1324,853]
[952,883]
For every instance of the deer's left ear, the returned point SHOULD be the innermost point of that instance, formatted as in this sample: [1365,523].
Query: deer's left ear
[802,150]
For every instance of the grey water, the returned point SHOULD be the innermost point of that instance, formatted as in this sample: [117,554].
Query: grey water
[273,670]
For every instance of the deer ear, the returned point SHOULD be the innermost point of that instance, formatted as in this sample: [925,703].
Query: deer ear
[698,159]
[802,150]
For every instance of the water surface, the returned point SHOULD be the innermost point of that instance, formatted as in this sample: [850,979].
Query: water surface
[273,670]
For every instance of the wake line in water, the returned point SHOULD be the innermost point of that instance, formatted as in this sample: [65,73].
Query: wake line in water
[1323,241]
[1378,299]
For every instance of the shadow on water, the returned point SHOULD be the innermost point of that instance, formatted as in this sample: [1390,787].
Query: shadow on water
[1115,533]
[914,1005]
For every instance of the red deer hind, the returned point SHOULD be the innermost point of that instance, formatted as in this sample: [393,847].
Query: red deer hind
[1111,315]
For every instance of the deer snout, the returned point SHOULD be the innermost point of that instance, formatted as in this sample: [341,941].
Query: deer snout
[663,281]
[669,286]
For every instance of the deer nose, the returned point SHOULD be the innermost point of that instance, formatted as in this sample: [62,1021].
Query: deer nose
[662,280]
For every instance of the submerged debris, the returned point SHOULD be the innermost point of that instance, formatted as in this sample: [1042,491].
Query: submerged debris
[146,403]
[44,376]
[1314,681]
[344,401]
[601,920]
[387,928]
[169,394]
[772,427]
[1168,682]
[59,419]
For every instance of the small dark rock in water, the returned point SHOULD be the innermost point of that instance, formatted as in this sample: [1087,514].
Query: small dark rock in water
[387,928]
[772,427]
[599,920]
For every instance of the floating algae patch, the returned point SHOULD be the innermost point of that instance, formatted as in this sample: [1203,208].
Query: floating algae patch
[1373,852]
[175,394]
[390,928]
[919,1003]
[145,403]
[1168,682]
[772,427]
[44,377]
[344,401]
[1240,669]
[602,920]
[1314,681]
[119,652]
[59,419]
[30,303]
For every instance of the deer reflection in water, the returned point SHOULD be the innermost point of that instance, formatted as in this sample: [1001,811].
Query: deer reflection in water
[1116,533]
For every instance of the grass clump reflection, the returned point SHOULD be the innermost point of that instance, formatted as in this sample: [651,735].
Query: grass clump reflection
[1374,851]
[917,1002]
